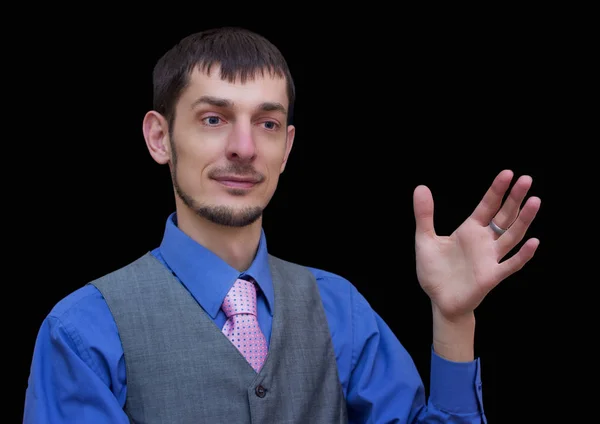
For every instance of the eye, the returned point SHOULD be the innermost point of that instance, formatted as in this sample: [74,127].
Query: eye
[270,125]
[211,121]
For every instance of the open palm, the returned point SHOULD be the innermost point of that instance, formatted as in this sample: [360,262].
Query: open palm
[458,271]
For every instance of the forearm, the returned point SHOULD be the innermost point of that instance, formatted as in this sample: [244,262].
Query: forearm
[454,339]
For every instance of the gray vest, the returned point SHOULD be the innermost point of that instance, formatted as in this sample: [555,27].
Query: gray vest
[182,369]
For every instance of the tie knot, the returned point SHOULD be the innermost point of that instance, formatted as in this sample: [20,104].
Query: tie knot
[241,299]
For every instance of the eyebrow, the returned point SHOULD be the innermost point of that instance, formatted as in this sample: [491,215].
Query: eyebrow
[226,103]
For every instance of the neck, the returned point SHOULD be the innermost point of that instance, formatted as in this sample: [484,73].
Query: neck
[236,246]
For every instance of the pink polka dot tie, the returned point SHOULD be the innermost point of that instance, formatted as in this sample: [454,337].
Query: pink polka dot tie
[242,325]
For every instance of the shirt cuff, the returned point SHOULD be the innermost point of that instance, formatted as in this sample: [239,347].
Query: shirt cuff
[455,386]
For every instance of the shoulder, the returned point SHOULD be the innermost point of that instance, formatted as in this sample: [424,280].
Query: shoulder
[83,301]
[327,281]
[82,322]
[322,276]
[88,299]
[338,288]
[79,339]
[331,281]
[84,315]
[331,285]
[339,294]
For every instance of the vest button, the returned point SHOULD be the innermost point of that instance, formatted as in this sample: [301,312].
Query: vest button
[260,391]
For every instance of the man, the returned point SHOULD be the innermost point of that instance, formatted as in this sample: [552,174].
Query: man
[209,327]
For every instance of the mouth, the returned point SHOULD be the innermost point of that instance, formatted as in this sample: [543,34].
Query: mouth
[237,182]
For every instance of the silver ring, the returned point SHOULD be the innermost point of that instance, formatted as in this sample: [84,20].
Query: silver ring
[497,229]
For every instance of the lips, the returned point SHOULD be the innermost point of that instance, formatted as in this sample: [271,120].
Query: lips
[236,181]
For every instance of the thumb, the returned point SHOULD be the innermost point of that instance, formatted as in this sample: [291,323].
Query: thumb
[423,207]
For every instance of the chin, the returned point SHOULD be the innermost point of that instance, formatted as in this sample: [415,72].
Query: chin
[234,209]
[229,215]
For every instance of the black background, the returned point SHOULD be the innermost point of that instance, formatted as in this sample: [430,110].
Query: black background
[421,100]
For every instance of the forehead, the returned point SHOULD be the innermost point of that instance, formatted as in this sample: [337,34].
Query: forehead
[257,89]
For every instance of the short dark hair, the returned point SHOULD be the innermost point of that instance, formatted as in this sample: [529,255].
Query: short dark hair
[239,52]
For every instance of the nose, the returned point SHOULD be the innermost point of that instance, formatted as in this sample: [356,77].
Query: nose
[241,146]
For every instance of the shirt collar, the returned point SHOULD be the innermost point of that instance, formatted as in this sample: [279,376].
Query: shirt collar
[207,276]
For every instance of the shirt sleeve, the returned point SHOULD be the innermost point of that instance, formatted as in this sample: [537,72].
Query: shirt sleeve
[385,386]
[66,382]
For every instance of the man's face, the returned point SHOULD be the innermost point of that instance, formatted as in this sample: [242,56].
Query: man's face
[229,144]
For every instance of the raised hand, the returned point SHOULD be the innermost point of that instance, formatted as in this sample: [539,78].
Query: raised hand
[459,270]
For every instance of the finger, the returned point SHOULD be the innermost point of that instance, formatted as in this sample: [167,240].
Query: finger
[510,209]
[518,260]
[423,207]
[517,230]
[491,201]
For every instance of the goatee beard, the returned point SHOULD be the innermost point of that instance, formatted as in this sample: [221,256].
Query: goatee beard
[221,215]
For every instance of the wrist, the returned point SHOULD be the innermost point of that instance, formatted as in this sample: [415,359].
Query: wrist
[454,339]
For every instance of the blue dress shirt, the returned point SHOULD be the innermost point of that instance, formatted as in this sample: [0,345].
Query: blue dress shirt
[78,370]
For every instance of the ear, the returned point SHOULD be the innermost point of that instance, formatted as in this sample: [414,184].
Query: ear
[156,134]
[291,133]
